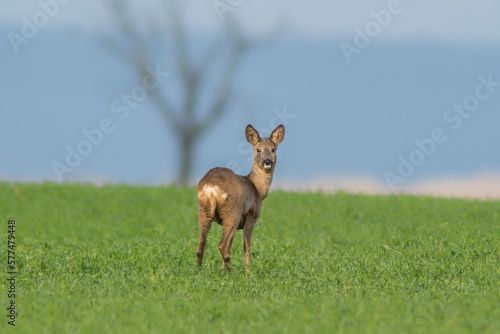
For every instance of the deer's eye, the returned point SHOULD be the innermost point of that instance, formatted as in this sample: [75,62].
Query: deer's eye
[258,150]
[273,150]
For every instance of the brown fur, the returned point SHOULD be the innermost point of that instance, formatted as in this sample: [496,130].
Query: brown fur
[235,201]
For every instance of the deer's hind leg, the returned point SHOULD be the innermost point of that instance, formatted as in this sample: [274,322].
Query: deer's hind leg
[205,223]
[230,246]
[229,227]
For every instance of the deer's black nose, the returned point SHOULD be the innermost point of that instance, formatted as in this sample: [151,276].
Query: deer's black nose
[268,163]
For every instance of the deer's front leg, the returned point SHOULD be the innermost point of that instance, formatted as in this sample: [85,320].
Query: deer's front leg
[247,239]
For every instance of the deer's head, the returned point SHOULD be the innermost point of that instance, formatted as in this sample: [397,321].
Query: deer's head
[265,148]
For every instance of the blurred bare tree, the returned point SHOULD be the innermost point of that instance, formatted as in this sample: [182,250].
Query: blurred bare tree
[189,119]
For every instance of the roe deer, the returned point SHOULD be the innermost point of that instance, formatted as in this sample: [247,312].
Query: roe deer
[234,201]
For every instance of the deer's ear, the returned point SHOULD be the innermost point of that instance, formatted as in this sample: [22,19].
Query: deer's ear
[253,136]
[278,134]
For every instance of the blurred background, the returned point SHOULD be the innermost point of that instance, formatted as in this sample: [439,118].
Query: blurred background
[376,96]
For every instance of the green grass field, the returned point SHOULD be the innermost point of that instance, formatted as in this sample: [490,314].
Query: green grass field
[122,259]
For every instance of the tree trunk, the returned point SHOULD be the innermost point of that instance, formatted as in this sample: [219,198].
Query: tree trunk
[185,161]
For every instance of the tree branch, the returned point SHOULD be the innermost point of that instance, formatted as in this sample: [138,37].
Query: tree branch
[137,56]
[186,119]
[239,46]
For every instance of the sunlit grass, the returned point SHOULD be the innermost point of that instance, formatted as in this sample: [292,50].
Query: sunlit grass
[123,259]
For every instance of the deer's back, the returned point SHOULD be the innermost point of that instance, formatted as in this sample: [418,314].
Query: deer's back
[222,193]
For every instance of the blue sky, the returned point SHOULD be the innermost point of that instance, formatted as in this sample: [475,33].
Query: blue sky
[451,20]
[353,119]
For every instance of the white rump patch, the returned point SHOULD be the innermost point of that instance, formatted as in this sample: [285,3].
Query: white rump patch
[214,191]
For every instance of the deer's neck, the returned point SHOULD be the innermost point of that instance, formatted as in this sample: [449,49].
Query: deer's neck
[261,180]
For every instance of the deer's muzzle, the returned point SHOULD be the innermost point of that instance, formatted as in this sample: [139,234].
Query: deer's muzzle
[267,164]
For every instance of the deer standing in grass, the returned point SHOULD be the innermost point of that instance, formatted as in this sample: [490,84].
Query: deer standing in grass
[235,201]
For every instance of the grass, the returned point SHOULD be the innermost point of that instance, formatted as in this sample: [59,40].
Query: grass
[122,259]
